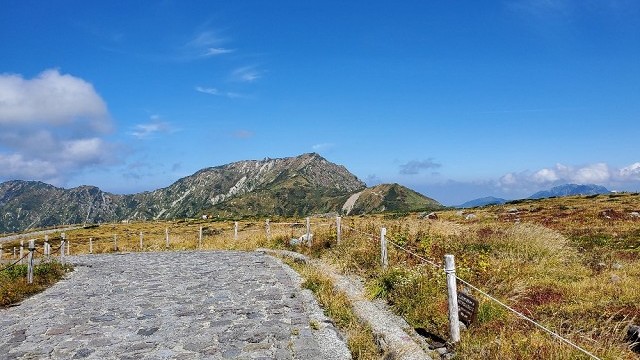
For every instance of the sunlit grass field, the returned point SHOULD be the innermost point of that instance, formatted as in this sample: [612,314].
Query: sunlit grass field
[572,264]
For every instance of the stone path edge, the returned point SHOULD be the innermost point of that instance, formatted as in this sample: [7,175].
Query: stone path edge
[393,333]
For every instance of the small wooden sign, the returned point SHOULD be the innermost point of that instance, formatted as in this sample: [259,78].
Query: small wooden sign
[467,308]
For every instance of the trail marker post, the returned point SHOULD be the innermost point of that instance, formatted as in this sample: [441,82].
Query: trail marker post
[47,247]
[383,248]
[62,243]
[90,245]
[141,236]
[308,232]
[166,237]
[452,290]
[32,248]
[235,231]
[115,242]
[200,238]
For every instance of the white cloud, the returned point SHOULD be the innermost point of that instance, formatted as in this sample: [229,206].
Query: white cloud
[210,91]
[246,74]
[631,172]
[597,173]
[149,129]
[217,51]
[591,174]
[216,92]
[545,176]
[206,44]
[323,146]
[51,127]
[51,98]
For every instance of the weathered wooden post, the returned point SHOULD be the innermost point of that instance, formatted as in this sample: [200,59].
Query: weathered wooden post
[47,247]
[21,252]
[454,325]
[14,252]
[90,245]
[339,229]
[308,231]
[200,238]
[1,252]
[235,231]
[32,248]
[62,241]
[268,229]
[141,236]
[166,237]
[383,248]
[115,242]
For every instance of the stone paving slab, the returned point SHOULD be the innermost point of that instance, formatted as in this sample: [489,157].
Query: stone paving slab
[172,305]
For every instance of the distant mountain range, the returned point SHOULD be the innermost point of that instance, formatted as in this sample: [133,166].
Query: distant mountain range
[557,191]
[569,190]
[489,200]
[295,186]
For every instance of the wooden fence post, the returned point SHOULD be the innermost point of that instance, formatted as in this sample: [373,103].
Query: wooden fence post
[90,245]
[200,238]
[1,252]
[235,231]
[62,249]
[268,229]
[166,237]
[14,252]
[47,247]
[32,248]
[115,242]
[21,252]
[308,231]
[141,236]
[339,229]
[383,248]
[452,290]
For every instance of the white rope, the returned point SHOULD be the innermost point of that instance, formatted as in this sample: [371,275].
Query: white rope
[521,315]
[430,262]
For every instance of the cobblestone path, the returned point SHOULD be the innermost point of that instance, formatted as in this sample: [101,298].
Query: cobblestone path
[172,305]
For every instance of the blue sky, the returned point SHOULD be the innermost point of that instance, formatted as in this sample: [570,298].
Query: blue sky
[456,100]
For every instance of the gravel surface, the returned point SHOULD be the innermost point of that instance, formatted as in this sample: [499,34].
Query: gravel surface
[173,305]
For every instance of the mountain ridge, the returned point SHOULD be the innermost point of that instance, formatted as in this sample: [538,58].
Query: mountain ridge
[291,186]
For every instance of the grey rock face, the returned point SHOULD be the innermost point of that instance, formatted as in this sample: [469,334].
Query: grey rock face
[191,305]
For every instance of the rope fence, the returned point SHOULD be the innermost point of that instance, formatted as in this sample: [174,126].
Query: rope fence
[268,229]
[451,271]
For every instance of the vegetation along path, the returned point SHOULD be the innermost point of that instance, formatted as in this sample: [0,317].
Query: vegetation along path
[192,305]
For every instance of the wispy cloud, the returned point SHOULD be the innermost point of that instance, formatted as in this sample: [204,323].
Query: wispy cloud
[210,91]
[207,44]
[148,130]
[414,167]
[216,92]
[217,51]
[246,74]
[323,146]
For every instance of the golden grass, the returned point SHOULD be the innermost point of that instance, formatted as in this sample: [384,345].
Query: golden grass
[359,337]
[572,264]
